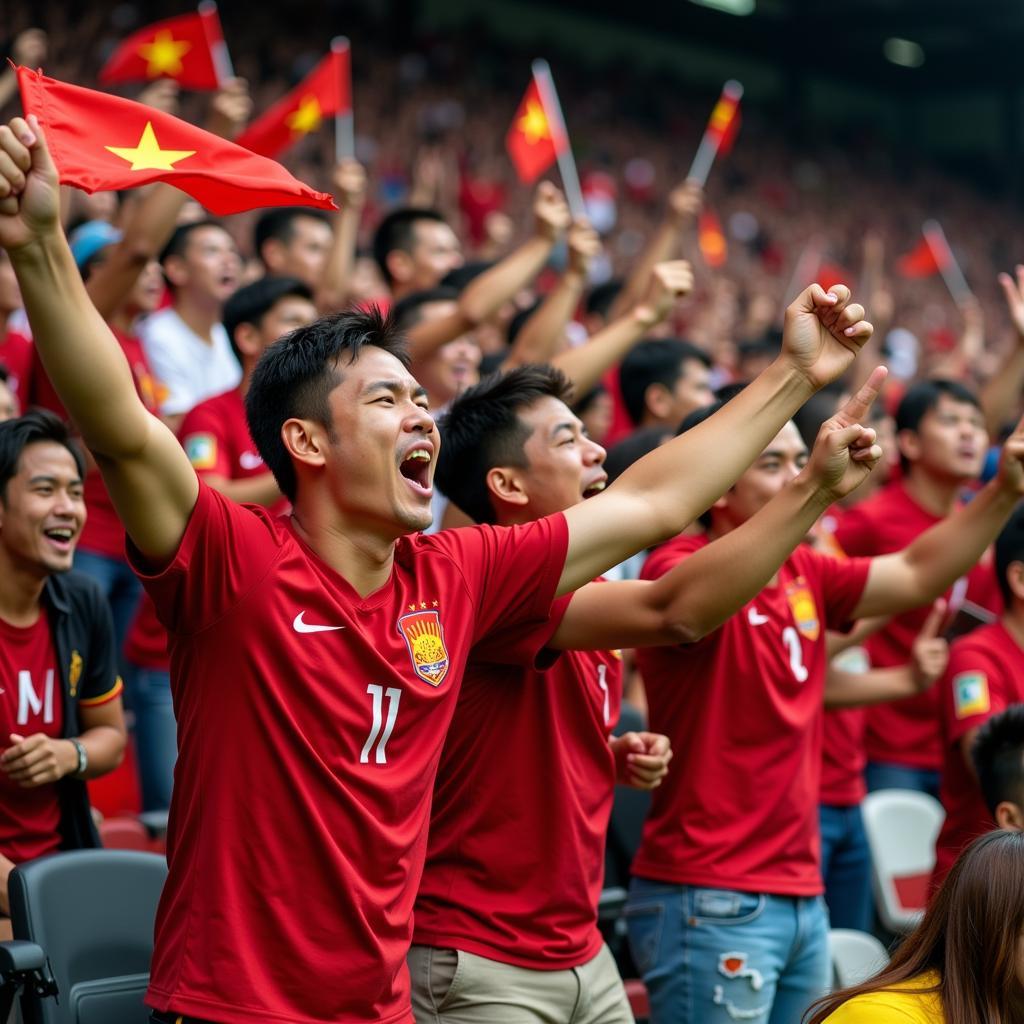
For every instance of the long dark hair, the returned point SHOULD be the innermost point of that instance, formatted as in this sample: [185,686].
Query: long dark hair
[969,937]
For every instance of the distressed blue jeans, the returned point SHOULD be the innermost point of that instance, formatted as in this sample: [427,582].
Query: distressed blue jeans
[717,956]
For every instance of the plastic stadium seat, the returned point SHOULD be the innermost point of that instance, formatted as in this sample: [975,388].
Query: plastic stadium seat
[902,826]
[856,956]
[92,912]
[125,834]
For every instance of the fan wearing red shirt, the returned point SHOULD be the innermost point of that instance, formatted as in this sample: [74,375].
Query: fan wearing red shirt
[998,760]
[725,914]
[942,439]
[508,901]
[60,695]
[316,659]
[985,676]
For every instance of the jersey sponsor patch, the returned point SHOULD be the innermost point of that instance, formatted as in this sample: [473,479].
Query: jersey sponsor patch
[201,450]
[424,638]
[970,694]
[249,460]
[805,612]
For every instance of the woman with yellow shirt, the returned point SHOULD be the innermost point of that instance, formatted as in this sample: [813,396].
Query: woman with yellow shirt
[965,962]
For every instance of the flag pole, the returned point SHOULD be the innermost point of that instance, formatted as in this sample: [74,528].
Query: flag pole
[946,261]
[215,40]
[806,269]
[344,121]
[566,163]
[708,148]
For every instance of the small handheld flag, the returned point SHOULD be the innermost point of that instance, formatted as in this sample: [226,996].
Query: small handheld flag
[711,239]
[933,255]
[102,142]
[323,92]
[538,138]
[190,49]
[720,132]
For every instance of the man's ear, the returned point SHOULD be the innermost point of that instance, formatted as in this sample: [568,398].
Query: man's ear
[399,264]
[272,254]
[909,445]
[1009,816]
[176,271]
[247,339]
[657,400]
[506,485]
[305,440]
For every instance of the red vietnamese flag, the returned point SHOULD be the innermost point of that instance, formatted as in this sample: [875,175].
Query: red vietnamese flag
[711,239]
[101,142]
[181,48]
[324,91]
[533,141]
[921,261]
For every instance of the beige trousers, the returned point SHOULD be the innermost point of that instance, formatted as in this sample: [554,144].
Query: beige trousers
[454,987]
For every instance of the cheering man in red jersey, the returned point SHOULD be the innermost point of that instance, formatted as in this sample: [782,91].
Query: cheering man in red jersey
[315,660]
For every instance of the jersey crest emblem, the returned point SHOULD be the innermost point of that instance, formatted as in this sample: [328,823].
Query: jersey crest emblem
[970,694]
[424,637]
[75,671]
[201,450]
[805,611]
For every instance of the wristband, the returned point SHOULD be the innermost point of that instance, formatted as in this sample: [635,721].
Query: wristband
[83,758]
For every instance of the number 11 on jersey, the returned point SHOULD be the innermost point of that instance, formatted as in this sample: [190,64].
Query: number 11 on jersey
[378,693]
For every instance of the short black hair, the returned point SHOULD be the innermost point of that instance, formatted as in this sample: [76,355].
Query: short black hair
[482,429]
[632,448]
[601,298]
[924,396]
[279,224]
[396,231]
[654,361]
[297,373]
[178,242]
[459,277]
[1009,549]
[998,756]
[35,426]
[251,303]
[407,312]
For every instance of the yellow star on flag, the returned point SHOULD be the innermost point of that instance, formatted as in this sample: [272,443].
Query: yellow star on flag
[147,155]
[164,54]
[534,123]
[307,117]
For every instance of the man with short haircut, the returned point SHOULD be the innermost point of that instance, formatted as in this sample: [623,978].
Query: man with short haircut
[942,441]
[725,914]
[998,759]
[186,344]
[506,900]
[60,695]
[985,675]
[663,380]
[415,248]
[325,650]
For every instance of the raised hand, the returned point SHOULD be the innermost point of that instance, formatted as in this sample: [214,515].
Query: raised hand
[230,109]
[584,247]
[161,95]
[550,212]
[29,191]
[823,332]
[686,200]
[845,452]
[670,281]
[1010,475]
[29,48]
[930,652]
[1013,291]
[349,181]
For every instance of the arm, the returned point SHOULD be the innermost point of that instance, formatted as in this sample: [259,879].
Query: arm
[39,760]
[927,567]
[684,203]
[150,480]
[544,333]
[667,489]
[350,188]
[970,345]
[586,364]
[488,292]
[702,591]
[836,643]
[1001,395]
[930,655]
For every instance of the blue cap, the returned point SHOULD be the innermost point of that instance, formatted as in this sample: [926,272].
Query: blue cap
[87,240]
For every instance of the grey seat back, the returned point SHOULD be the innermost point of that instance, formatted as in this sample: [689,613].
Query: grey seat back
[92,911]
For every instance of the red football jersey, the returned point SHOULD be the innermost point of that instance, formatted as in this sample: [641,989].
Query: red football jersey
[985,676]
[310,725]
[31,701]
[906,731]
[16,357]
[743,708]
[515,859]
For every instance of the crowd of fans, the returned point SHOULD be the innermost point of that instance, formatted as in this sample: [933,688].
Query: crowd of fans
[484,276]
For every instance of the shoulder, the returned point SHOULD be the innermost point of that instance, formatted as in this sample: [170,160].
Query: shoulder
[76,590]
[671,553]
[911,1006]
[210,411]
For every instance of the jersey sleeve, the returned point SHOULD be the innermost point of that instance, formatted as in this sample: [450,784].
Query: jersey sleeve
[856,533]
[202,437]
[972,690]
[94,677]
[226,551]
[526,644]
[844,580]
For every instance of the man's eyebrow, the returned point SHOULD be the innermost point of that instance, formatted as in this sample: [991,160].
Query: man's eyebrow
[396,387]
[42,478]
[565,425]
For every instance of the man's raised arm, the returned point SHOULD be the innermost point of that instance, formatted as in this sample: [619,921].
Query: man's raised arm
[666,490]
[148,475]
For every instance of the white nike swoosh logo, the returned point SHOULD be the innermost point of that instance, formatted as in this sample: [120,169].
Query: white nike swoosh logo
[308,627]
[755,618]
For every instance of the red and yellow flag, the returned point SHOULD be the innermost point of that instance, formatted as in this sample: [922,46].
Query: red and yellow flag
[325,91]
[532,141]
[724,123]
[181,48]
[921,261]
[711,239]
[101,142]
